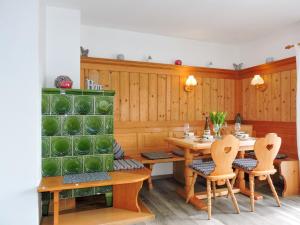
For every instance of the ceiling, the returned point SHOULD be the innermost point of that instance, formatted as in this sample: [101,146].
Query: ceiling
[222,21]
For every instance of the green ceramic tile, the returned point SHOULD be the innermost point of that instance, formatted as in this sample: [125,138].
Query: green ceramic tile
[103,144]
[109,125]
[61,104]
[82,145]
[107,161]
[72,165]
[104,105]
[61,146]
[83,105]
[92,164]
[103,190]
[66,194]
[72,125]
[109,199]
[45,104]
[51,167]
[93,125]
[45,147]
[50,126]
[83,192]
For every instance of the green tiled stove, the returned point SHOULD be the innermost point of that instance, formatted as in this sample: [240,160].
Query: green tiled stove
[77,135]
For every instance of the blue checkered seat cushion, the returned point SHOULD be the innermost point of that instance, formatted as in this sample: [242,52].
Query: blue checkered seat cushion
[204,168]
[246,163]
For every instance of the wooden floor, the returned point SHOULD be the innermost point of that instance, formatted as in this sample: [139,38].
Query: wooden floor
[170,209]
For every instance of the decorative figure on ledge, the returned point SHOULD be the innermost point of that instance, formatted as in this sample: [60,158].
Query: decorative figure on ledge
[209,64]
[84,52]
[269,59]
[178,62]
[120,57]
[63,81]
[237,66]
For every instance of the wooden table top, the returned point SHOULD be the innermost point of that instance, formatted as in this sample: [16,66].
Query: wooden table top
[194,145]
[117,177]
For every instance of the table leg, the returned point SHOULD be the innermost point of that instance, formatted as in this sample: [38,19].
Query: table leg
[56,208]
[150,184]
[188,188]
[188,173]
[241,183]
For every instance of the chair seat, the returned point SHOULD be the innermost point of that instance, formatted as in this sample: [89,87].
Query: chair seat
[247,164]
[205,168]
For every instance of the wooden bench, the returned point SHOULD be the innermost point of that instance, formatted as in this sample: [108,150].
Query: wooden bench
[126,206]
[288,169]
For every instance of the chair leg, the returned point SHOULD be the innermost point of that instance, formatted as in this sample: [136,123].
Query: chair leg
[273,190]
[251,183]
[189,195]
[208,198]
[214,189]
[234,179]
[235,204]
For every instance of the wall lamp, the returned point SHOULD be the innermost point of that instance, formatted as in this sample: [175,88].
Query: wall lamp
[259,83]
[190,83]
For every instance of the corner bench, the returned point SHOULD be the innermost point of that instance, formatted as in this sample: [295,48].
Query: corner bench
[149,163]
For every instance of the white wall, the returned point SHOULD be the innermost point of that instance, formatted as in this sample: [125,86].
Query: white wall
[63,45]
[107,43]
[255,52]
[20,80]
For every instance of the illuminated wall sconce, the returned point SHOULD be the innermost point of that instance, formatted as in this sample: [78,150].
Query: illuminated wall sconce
[190,83]
[259,83]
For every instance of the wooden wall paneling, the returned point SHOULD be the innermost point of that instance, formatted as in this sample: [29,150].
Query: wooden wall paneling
[267,96]
[152,97]
[191,105]
[220,95]
[238,94]
[161,96]
[115,85]
[276,100]
[168,97]
[144,97]
[229,107]
[206,96]
[134,91]
[252,102]
[293,95]
[285,103]
[182,98]
[199,99]
[259,105]
[104,79]
[245,92]
[175,99]
[124,96]
[213,94]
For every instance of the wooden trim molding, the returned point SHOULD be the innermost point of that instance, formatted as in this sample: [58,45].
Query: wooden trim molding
[268,68]
[135,65]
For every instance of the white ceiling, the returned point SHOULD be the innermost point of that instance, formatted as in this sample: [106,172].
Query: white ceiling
[223,21]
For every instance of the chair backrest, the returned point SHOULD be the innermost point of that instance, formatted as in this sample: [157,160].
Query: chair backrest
[266,150]
[223,153]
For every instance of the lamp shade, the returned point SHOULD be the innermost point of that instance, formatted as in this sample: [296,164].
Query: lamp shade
[257,80]
[191,81]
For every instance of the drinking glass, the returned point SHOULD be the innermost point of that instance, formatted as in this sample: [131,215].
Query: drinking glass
[237,127]
[186,129]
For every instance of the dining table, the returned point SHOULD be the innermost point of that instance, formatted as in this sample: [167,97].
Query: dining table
[194,146]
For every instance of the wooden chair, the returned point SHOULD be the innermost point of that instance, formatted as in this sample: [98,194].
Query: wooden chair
[262,167]
[223,153]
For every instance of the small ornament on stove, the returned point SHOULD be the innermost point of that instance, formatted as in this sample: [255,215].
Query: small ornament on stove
[63,81]
[178,62]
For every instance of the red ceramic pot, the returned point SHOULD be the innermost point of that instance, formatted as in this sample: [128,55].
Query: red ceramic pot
[178,62]
[66,84]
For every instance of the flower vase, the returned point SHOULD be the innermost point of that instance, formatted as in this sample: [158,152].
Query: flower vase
[217,130]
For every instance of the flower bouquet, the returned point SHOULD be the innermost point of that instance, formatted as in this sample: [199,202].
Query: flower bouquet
[218,119]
